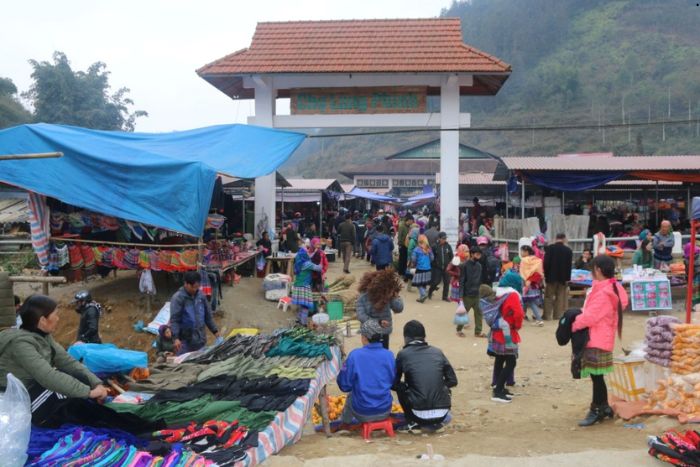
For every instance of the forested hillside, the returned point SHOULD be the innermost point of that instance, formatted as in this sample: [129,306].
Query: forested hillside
[592,62]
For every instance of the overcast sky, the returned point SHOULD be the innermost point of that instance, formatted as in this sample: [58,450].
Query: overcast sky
[154,46]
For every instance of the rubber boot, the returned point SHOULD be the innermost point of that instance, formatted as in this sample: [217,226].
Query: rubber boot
[593,416]
[606,412]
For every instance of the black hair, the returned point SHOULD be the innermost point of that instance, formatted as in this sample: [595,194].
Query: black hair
[561,236]
[527,248]
[374,339]
[192,277]
[380,228]
[348,216]
[606,265]
[17,300]
[34,308]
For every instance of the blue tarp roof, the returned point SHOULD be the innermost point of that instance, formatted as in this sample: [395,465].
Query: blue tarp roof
[696,208]
[360,193]
[161,179]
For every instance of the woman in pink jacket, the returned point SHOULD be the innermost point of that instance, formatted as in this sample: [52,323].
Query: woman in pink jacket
[602,315]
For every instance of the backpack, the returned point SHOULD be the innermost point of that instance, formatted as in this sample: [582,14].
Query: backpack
[491,311]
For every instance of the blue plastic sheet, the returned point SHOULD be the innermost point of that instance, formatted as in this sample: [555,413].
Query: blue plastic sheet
[108,358]
[696,208]
[160,179]
[571,181]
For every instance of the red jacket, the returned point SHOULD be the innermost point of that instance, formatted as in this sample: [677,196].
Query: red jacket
[600,314]
[512,313]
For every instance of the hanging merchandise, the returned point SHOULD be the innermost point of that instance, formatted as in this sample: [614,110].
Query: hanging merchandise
[146,284]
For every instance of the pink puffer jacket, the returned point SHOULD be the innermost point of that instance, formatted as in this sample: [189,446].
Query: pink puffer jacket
[600,314]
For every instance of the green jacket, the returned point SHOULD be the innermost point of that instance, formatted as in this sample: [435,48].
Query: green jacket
[403,231]
[638,258]
[38,360]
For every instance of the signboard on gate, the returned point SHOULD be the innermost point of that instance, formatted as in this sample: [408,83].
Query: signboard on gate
[651,294]
[399,99]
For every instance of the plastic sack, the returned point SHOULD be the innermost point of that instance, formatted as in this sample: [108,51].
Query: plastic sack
[15,423]
[460,308]
[108,358]
[461,319]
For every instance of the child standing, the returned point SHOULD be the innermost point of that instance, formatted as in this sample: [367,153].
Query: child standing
[469,282]
[422,258]
[453,270]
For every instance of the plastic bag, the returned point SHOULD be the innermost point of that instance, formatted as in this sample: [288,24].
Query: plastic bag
[461,319]
[108,358]
[460,308]
[15,423]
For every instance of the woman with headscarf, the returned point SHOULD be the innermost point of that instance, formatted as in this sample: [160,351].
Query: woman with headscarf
[421,259]
[454,270]
[503,341]
[411,242]
[302,295]
[532,274]
[318,257]
[510,282]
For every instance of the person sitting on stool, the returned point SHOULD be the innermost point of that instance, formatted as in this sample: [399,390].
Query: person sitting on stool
[367,375]
[424,393]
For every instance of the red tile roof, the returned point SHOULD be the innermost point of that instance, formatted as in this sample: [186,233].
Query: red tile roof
[358,46]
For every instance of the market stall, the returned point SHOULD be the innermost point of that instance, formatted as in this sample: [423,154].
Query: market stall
[135,200]
[234,404]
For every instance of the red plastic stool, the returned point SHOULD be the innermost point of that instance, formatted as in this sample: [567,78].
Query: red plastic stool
[369,427]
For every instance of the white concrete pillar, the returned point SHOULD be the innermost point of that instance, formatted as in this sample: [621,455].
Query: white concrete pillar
[265,186]
[449,159]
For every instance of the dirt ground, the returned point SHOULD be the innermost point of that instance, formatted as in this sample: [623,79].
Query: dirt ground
[537,428]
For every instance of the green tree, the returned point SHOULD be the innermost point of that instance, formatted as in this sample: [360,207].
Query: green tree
[12,112]
[82,98]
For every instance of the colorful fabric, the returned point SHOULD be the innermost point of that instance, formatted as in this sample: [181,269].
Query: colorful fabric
[188,259]
[88,256]
[144,259]
[76,257]
[131,259]
[303,296]
[39,219]
[596,362]
[454,291]
[696,289]
[422,278]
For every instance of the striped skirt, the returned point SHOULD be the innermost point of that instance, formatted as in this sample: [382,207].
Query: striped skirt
[422,278]
[596,362]
[303,296]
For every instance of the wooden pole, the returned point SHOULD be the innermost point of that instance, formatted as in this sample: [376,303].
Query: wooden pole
[38,155]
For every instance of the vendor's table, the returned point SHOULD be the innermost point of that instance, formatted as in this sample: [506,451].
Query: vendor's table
[235,264]
[287,427]
[284,262]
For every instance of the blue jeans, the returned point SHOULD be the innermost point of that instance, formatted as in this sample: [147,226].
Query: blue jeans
[536,310]
[422,292]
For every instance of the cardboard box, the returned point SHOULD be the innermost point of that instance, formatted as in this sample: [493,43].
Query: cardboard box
[627,381]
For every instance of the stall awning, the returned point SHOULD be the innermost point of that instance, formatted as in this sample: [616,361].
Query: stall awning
[165,180]
[360,193]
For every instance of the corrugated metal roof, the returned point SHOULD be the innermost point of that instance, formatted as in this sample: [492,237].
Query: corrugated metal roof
[474,178]
[314,184]
[13,210]
[393,167]
[603,163]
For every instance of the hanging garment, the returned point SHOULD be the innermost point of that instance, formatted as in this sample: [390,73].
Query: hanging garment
[146,284]
[39,218]
[144,259]
[76,257]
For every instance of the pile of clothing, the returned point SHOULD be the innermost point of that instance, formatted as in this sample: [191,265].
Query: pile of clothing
[85,446]
[658,339]
[676,448]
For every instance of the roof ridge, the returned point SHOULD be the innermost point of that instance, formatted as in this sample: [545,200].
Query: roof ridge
[361,20]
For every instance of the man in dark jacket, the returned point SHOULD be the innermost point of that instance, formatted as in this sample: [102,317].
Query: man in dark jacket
[558,259]
[189,315]
[404,228]
[428,376]
[442,251]
[382,249]
[347,235]
[469,283]
[89,311]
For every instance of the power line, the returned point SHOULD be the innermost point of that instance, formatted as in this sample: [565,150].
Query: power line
[530,128]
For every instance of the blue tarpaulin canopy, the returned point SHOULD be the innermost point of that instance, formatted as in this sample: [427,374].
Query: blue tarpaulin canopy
[360,193]
[160,179]
[571,181]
